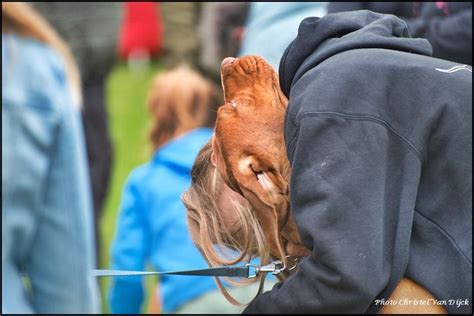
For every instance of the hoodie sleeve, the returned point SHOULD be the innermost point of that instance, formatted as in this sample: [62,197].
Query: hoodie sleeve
[353,190]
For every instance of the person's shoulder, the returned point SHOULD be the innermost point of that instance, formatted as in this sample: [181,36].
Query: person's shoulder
[38,58]
[33,67]
[200,134]
[139,174]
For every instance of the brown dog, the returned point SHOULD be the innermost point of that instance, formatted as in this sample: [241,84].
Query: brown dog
[249,152]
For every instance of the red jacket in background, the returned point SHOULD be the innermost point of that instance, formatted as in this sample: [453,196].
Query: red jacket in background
[141,29]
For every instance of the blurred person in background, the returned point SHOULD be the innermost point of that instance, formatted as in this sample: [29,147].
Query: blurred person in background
[151,227]
[141,33]
[271,26]
[221,27]
[446,25]
[47,232]
[202,34]
[90,29]
[180,37]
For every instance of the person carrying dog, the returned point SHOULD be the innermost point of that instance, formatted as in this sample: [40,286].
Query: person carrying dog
[379,138]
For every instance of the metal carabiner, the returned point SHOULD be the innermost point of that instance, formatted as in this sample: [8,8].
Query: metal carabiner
[252,268]
[274,267]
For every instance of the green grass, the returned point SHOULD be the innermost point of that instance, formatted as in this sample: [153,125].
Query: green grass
[128,126]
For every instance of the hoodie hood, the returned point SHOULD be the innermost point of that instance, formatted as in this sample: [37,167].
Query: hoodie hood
[180,153]
[321,38]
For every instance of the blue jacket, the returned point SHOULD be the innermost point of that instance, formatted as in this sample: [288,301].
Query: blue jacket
[270,27]
[47,230]
[152,228]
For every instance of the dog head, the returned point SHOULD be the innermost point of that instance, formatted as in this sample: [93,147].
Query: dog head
[248,143]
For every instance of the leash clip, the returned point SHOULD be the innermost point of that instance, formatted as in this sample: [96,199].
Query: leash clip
[275,268]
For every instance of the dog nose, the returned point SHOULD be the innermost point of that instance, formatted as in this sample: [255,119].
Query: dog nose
[227,61]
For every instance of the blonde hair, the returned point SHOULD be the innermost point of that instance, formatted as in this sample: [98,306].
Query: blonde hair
[179,100]
[20,18]
[206,223]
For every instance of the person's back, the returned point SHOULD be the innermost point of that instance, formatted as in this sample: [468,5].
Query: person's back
[47,241]
[379,136]
[156,222]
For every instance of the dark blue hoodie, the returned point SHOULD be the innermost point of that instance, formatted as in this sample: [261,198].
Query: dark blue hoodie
[379,137]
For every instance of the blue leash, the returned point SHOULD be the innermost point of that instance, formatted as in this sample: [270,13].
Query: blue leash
[249,271]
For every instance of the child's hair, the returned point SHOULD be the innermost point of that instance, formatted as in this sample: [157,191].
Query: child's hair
[207,227]
[21,19]
[179,100]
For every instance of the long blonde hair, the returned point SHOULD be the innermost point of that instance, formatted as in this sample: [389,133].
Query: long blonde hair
[179,100]
[206,223]
[20,18]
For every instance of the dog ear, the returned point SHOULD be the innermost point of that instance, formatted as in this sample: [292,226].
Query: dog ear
[263,180]
[265,189]
[214,160]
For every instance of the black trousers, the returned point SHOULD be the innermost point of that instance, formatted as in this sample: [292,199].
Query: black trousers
[99,147]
